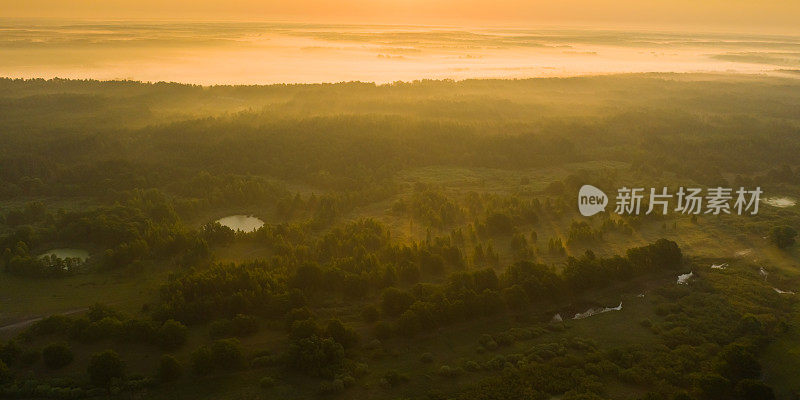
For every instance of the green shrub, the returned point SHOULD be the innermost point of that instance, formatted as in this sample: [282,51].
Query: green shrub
[220,329]
[316,356]
[105,367]
[5,374]
[57,355]
[488,342]
[10,352]
[297,314]
[472,366]
[172,334]
[29,357]
[169,369]
[222,355]
[427,358]
[395,301]
[342,334]
[782,236]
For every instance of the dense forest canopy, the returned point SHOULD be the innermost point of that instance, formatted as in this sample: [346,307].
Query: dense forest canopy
[415,240]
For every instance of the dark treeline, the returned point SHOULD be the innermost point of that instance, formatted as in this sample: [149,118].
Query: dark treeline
[362,139]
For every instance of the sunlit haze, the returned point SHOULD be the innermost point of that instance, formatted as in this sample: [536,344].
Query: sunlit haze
[262,53]
[737,15]
[307,41]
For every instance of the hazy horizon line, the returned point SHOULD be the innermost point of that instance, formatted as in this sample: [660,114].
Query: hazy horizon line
[718,74]
[532,26]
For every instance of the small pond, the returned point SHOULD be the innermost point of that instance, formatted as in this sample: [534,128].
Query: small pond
[244,223]
[67,253]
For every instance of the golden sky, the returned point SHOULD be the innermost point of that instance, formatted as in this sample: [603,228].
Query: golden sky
[744,15]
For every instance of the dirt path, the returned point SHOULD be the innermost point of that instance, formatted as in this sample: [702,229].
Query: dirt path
[27,322]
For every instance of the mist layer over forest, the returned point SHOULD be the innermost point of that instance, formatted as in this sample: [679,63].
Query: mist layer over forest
[259,53]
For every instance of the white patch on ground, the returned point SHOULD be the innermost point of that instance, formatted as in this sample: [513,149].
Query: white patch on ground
[684,279]
[719,266]
[780,202]
[763,272]
[782,291]
[557,318]
[743,253]
[597,310]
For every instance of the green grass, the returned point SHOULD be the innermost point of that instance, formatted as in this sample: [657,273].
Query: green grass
[24,299]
